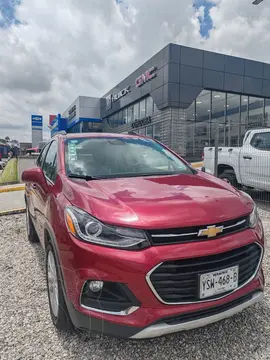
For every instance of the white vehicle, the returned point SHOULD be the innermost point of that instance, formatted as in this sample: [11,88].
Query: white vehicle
[248,165]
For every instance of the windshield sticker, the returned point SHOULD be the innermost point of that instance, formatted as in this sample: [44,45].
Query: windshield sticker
[72,151]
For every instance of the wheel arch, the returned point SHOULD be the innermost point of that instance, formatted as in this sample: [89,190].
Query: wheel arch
[50,239]
[223,167]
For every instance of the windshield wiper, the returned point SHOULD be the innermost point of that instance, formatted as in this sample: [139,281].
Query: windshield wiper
[85,177]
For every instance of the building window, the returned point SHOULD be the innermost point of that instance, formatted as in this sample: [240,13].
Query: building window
[149,106]
[244,117]
[141,131]
[130,115]
[203,109]
[125,115]
[233,120]
[120,118]
[149,131]
[136,114]
[157,132]
[142,108]
[255,113]
[115,120]
[191,125]
[155,109]
[217,121]
[267,112]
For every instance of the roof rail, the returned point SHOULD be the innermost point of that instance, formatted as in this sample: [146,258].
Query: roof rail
[62,132]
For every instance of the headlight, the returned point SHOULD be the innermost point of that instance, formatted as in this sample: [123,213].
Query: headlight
[254,217]
[85,227]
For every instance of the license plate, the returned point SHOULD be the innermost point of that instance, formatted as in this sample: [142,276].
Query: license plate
[218,282]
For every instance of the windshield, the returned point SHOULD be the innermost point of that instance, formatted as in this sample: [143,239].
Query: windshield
[108,157]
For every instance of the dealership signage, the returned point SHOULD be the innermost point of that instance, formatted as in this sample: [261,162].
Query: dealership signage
[147,76]
[37,121]
[141,122]
[140,81]
[72,112]
[110,99]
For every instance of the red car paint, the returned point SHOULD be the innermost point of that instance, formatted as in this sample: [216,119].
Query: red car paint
[156,202]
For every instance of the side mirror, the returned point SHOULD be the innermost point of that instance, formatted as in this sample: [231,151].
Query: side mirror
[35,175]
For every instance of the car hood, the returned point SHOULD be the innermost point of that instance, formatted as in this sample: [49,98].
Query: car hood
[159,202]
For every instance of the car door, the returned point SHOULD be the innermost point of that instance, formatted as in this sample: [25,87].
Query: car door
[32,192]
[49,167]
[255,162]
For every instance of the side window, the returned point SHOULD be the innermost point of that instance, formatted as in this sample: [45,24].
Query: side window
[261,141]
[49,165]
[42,155]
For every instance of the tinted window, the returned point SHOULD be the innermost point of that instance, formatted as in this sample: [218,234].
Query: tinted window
[261,141]
[42,155]
[108,157]
[49,165]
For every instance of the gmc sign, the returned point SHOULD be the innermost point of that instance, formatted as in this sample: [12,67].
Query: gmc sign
[147,76]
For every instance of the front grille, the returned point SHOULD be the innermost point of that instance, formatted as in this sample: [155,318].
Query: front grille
[187,234]
[178,281]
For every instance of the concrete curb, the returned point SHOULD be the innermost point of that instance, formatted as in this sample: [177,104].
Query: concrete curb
[12,212]
[4,189]
[197,164]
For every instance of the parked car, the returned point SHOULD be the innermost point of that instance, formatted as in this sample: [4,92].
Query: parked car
[41,145]
[31,151]
[248,165]
[135,249]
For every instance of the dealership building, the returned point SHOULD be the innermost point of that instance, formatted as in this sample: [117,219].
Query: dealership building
[186,98]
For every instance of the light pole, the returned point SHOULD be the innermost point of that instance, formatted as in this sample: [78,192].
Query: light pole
[257,2]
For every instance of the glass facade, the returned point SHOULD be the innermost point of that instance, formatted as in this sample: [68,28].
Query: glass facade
[213,116]
[223,117]
[137,111]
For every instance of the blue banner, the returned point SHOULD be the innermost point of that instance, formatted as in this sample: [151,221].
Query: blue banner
[37,121]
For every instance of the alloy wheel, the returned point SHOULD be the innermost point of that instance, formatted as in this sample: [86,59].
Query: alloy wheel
[53,284]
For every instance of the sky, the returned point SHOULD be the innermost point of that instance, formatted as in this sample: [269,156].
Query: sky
[53,51]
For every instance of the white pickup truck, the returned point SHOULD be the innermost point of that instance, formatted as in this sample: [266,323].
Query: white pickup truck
[248,165]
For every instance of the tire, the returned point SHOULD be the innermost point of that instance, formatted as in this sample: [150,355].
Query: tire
[30,229]
[58,309]
[230,177]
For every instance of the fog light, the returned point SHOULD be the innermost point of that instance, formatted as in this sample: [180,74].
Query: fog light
[95,286]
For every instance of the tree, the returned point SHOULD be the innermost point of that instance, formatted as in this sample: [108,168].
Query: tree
[7,138]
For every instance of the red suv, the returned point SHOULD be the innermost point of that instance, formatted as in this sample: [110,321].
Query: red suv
[139,244]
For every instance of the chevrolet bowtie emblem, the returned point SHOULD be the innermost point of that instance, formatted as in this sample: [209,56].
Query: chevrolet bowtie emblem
[211,231]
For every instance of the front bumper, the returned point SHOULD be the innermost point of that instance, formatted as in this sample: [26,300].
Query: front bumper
[83,262]
[164,326]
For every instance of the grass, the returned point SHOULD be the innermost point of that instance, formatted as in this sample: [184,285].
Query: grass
[10,173]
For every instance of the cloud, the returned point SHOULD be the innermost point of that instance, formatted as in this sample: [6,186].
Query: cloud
[53,51]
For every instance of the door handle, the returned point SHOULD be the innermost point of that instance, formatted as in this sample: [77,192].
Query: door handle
[247,157]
